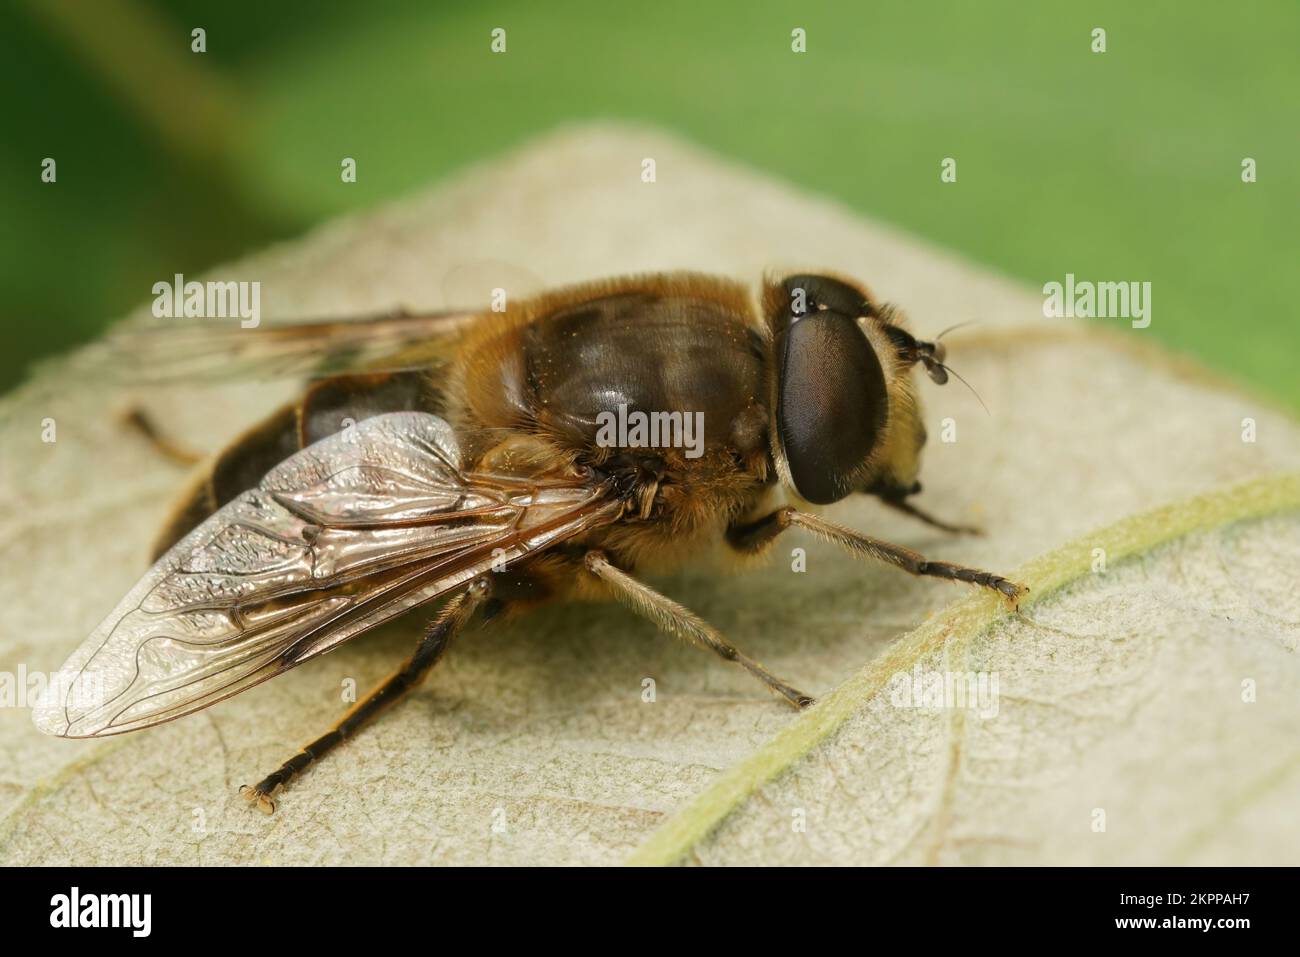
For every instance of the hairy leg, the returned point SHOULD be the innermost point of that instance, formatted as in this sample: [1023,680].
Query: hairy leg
[410,675]
[677,620]
[755,535]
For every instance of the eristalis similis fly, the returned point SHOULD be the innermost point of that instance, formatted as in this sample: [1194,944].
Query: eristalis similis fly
[462,459]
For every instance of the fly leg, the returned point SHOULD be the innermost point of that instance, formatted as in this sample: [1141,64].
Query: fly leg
[140,421]
[752,537]
[410,675]
[677,620]
[907,508]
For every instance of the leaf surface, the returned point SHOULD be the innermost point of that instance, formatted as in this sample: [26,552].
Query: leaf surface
[532,743]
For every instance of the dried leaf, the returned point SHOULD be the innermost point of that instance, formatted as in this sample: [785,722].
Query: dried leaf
[532,743]
[1139,709]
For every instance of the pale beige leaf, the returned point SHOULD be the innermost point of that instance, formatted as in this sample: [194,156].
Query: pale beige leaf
[1140,711]
[540,726]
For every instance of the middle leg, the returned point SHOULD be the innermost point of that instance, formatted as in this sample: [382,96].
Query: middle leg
[679,621]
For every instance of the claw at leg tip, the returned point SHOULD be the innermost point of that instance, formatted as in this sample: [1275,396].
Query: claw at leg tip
[263,802]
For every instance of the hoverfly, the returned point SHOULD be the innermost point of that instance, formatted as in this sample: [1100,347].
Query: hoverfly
[452,458]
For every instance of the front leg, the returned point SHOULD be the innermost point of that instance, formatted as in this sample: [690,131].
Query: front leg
[753,536]
[900,504]
[897,497]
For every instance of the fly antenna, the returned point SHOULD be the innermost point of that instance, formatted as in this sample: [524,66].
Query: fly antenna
[967,385]
[960,325]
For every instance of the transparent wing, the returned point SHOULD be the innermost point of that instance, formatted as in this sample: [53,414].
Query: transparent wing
[206,350]
[338,538]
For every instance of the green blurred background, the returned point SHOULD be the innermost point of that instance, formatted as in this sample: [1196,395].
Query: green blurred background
[1122,165]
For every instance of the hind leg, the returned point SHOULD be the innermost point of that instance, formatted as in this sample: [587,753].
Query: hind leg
[139,421]
[409,676]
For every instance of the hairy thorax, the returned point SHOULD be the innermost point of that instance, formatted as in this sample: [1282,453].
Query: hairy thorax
[662,394]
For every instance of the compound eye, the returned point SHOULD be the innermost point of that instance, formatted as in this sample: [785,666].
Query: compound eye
[824,292]
[832,404]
